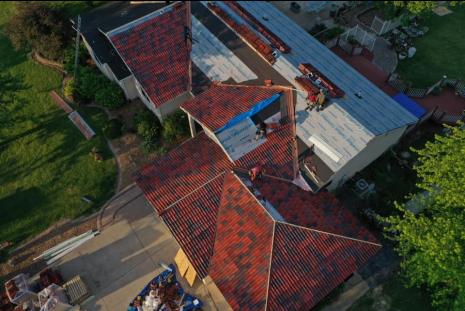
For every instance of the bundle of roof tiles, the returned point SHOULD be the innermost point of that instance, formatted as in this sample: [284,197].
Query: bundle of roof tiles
[258,44]
[334,90]
[265,31]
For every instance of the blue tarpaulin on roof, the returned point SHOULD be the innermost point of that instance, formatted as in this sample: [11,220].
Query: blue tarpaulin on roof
[409,104]
[255,109]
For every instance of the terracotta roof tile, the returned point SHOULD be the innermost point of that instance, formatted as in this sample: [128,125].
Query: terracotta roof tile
[242,251]
[319,211]
[220,103]
[277,154]
[157,54]
[193,223]
[181,171]
[307,265]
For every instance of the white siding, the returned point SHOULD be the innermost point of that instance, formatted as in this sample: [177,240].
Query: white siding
[128,85]
[375,148]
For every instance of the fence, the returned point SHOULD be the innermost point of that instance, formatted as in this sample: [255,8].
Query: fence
[362,36]
[402,86]
[441,117]
[380,26]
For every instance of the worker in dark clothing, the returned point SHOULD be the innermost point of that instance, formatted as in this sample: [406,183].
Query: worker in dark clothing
[261,130]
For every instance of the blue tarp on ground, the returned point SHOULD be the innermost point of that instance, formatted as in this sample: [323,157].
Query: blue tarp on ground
[255,109]
[409,104]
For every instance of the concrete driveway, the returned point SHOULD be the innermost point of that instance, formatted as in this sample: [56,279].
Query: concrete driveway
[119,262]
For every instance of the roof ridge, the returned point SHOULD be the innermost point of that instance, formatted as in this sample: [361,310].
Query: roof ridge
[253,195]
[190,193]
[329,233]
[138,21]
[269,267]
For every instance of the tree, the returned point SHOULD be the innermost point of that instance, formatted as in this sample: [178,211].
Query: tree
[9,85]
[38,27]
[432,243]
[89,83]
[419,7]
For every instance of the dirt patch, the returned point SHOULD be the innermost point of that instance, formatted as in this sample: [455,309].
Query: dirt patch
[367,16]
[23,256]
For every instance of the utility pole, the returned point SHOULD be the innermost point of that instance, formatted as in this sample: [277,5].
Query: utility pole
[76,52]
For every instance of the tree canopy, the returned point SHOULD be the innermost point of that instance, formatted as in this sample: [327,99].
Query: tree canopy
[432,243]
[37,26]
[419,7]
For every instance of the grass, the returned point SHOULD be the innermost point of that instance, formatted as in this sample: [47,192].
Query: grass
[439,52]
[44,160]
[393,296]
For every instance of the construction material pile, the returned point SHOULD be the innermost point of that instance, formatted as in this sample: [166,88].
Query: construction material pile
[265,31]
[258,44]
[164,293]
[319,79]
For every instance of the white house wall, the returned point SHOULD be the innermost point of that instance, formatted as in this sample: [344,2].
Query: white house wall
[172,105]
[128,85]
[375,148]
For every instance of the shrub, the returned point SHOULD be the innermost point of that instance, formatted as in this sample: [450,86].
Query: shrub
[113,129]
[110,96]
[317,28]
[147,124]
[332,33]
[68,59]
[89,83]
[69,88]
[175,126]
[37,26]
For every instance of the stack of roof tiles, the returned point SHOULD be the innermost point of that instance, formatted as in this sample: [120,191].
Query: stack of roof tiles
[307,85]
[334,90]
[244,31]
[156,51]
[267,245]
[267,33]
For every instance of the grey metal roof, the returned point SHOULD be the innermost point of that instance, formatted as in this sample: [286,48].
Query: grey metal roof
[347,124]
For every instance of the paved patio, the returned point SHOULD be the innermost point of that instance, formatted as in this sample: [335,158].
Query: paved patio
[119,262]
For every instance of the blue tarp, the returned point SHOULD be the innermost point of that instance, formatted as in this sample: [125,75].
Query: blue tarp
[255,109]
[409,104]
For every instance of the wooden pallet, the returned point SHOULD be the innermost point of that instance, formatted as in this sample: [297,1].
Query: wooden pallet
[76,290]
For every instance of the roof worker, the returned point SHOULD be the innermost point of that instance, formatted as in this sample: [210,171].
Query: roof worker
[261,131]
[257,172]
[311,102]
[320,100]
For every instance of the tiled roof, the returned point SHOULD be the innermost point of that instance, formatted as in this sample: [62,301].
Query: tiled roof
[307,265]
[321,211]
[220,103]
[277,154]
[242,251]
[193,223]
[181,171]
[156,51]
[260,260]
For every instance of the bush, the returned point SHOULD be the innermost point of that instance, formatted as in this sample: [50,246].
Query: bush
[113,129]
[175,126]
[68,59]
[317,28]
[147,124]
[69,88]
[332,33]
[89,83]
[37,26]
[110,96]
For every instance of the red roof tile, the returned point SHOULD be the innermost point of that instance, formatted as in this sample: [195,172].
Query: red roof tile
[258,259]
[220,103]
[319,211]
[277,154]
[193,223]
[181,171]
[156,52]
[307,265]
[242,251]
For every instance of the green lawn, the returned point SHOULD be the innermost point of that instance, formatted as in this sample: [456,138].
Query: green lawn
[441,51]
[393,296]
[45,167]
